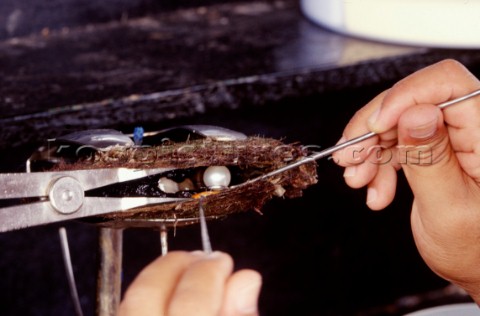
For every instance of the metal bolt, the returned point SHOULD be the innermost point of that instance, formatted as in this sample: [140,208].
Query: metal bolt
[66,195]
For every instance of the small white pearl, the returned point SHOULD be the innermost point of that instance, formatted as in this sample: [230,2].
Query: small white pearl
[168,185]
[217,177]
[279,190]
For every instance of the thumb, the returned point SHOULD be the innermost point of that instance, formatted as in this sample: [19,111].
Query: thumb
[242,293]
[427,158]
[444,215]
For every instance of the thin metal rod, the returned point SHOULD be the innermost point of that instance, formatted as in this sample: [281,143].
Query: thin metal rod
[109,271]
[67,260]
[459,99]
[206,245]
[350,142]
[164,239]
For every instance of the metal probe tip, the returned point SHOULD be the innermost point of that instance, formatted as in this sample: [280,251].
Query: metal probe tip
[206,245]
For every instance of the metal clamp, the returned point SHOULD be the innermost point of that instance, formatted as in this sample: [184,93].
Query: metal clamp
[66,195]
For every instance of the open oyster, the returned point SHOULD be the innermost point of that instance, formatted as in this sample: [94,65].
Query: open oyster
[208,161]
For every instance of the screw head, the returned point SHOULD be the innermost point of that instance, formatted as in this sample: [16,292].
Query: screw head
[66,195]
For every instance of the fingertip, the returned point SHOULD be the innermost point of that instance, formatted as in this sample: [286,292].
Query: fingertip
[243,290]
[222,262]
[199,290]
[371,195]
[381,190]
[372,121]
[214,255]
[377,124]
[220,256]
[360,175]
[342,139]
[246,303]
[336,155]
[350,172]
[373,201]
[249,276]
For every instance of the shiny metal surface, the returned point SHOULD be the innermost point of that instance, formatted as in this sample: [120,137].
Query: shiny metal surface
[217,132]
[36,184]
[207,131]
[66,195]
[39,213]
[109,274]
[65,192]
[99,138]
[206,244]
[67,261]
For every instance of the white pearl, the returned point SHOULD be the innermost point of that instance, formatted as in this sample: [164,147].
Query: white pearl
[217,177]
[279,190]
[168,185]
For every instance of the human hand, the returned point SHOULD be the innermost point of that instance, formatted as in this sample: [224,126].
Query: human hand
[192,283]
[439,154]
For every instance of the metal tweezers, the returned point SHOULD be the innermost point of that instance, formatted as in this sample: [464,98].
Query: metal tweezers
[47,197]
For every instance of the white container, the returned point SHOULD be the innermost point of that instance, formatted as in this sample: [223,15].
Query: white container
[426,23]
[462,309]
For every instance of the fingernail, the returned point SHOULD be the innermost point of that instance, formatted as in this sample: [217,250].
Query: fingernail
[216,254]
[371,195]
[423,131]
[350,172]
[206,255]
[374,117]
[247,300]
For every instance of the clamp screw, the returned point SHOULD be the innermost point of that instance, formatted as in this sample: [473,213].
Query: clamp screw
[66,195]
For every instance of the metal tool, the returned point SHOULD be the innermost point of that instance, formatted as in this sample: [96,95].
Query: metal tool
[48,197]
[206,245]
[353,141]
[69,271]
[39,198]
